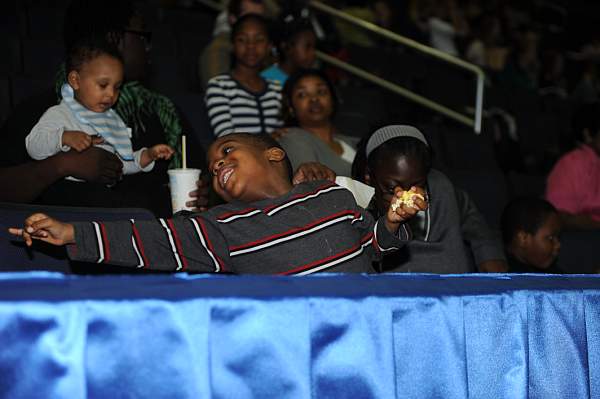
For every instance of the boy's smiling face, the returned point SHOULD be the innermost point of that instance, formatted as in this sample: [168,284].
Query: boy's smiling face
[400,171]
[242,170]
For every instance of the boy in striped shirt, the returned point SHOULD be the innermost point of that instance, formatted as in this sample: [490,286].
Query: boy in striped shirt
[268,226]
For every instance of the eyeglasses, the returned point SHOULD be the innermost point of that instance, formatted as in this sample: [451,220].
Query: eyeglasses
[145,35]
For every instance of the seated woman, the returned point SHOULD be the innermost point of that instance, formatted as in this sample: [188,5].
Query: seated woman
[309,105]
[242,101]
[573,185]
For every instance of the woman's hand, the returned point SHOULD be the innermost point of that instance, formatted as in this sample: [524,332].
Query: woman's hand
[310,171]
[93,164]
[44,228]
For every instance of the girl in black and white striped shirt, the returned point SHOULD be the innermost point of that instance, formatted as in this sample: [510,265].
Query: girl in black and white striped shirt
[242,101]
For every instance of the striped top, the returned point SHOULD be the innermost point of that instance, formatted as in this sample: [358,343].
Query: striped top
[234,109]
[315,227]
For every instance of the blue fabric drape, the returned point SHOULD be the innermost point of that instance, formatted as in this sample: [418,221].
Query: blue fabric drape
[325,336]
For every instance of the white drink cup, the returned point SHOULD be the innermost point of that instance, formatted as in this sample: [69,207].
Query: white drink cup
[181,182]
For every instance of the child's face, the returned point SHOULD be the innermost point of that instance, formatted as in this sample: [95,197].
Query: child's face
[240,169]
[251,45]
[398,171]
[311,101]
[97,83]
[301,51]
[541,249]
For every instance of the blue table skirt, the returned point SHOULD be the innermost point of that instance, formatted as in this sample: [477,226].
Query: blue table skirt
[325,336]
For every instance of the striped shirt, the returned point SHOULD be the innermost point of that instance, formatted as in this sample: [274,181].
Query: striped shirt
[234,109]
[315,227]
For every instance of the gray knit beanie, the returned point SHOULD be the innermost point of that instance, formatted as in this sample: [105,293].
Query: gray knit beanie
[389,132]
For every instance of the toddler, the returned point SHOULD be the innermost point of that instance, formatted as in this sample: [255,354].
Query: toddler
[84,117]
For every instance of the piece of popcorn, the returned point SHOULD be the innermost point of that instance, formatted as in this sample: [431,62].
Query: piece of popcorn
[406,199]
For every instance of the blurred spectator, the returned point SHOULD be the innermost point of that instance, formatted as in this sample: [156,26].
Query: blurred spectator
[522,69]
[242,101]
[552,80]
[296,44]
[573,185]
[586,89]
[446,23]
[216,56]
[487,47]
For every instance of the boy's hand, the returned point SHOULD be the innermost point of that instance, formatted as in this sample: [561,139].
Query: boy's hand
[42,227]
[79,141]
[160,151]
[199,196]
[309,171]
[399,211]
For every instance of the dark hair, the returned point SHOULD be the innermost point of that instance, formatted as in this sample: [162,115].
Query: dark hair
[526,214]
[401,146]
[92,18]
[235,6]
[264,142]
[239,23]
[587,116]
[87,50]
[288,117]
[287,31]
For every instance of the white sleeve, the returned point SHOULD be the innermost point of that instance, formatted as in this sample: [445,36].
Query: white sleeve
[131,167]
[45,139]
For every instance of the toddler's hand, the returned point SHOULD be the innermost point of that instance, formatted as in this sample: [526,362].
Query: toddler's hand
[160,151]
[79,141]
[44,228]
[405,205]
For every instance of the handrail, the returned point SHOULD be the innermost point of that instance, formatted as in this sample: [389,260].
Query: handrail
[476,123]
[396,89]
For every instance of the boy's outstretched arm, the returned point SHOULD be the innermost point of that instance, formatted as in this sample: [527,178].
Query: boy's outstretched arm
[181,244]
[44,228]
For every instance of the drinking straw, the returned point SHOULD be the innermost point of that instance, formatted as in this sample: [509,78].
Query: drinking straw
[183,159]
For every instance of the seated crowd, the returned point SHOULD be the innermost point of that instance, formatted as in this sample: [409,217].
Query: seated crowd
[267,201]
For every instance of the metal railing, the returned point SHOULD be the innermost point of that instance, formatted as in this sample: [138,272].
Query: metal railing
[474,122]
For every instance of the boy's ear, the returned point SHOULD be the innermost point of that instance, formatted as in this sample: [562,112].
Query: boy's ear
[275,154]
[522,237]
[73,79]
[367,177]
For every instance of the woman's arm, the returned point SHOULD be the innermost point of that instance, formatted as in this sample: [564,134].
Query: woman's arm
[25,182]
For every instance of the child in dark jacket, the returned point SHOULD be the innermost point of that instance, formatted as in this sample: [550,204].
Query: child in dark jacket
[268,225]
[531,231]
[399,155]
